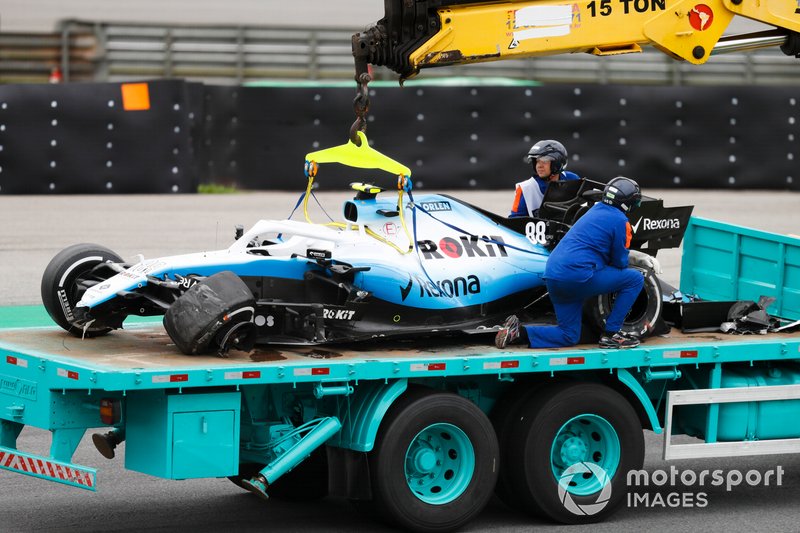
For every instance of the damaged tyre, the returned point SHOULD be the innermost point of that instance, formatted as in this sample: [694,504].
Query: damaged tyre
[216,313]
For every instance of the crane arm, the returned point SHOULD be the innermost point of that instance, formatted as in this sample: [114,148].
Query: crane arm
[417,34]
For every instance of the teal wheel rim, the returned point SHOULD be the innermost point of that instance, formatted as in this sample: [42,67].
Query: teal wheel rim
[439,464]
[589,439]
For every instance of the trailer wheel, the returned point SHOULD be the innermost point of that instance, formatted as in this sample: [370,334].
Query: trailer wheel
[434,465]
[63,283]
[203,315]
[571,449]
[504,416]
[644,313]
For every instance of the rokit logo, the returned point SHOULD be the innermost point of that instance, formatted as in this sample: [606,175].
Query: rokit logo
[472,246]
[338,314]
[447,288]
[651,224]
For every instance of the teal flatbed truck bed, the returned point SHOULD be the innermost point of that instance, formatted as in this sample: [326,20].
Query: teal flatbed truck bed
[144,357]
[423,431]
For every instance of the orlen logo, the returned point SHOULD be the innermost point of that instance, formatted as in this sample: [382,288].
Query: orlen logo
[435,206]
[447,288]
[472,246]
[649,224]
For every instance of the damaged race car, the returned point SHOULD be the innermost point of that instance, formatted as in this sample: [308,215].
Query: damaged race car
[400,265]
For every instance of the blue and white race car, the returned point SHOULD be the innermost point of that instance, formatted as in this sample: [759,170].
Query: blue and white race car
[399,265]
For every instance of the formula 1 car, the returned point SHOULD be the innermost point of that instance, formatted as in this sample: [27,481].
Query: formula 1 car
[404,266]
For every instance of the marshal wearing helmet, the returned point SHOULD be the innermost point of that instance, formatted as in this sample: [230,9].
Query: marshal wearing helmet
[549,161]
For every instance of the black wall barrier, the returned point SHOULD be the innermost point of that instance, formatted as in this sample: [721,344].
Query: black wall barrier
[85,138]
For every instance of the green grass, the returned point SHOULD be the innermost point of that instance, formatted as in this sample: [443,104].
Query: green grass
[213,188]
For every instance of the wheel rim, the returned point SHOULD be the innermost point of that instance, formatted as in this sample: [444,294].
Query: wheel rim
[589,439]
[439,464]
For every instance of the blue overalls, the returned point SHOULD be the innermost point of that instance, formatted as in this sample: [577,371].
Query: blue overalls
[591,259]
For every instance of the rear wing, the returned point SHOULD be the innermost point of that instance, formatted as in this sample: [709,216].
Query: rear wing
[727,262]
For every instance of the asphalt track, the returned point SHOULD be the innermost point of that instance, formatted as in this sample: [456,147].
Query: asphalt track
[33,229]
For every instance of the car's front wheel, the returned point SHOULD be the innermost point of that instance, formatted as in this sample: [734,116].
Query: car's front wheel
[66,278]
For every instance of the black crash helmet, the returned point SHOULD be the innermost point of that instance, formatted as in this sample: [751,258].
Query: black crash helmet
[623,193]
[551,149]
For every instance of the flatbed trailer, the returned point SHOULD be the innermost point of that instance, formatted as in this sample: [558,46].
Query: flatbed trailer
[424,431]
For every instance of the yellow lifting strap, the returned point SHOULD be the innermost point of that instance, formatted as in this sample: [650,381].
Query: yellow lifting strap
[359,156]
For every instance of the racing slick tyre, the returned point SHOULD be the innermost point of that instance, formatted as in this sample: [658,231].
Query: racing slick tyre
[572,447]
[207,311]
[67,277]
[641,319]
[434,464]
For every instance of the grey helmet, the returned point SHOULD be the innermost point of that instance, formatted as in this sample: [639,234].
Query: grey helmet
[551,149]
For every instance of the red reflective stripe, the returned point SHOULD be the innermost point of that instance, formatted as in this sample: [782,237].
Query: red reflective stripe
[251,374]
[575,360]
[688,353]
[7,459]
[320,371]
[437,366]
[509,364]
[40,467]
[11,360]
[178,377]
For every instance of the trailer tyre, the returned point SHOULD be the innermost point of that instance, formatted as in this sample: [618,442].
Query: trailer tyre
[504,416]
[63,283]
[434,464]
[572,447]
[643,316]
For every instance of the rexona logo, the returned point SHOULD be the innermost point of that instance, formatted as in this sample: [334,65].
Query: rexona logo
[446,288]
[650,224]
[472,246]
[435,206]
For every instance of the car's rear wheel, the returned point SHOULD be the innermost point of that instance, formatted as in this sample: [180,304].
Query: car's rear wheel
[67,277]
[641,319]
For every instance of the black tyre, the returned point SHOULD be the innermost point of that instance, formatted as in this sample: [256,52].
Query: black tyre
[205,312]
[307,482]
[643,316]
[504,416]
[434,465]
[572,448]
[67,277]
